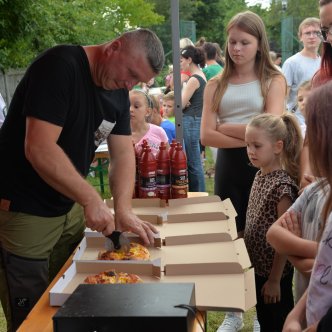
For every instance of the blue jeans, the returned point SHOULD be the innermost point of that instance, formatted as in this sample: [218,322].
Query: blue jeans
[191,136]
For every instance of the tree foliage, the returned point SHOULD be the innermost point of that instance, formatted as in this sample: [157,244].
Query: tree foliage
[30,26]
[27,27]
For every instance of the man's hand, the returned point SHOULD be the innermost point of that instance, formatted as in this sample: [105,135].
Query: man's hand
[271,291]
[129,222]
[99,217]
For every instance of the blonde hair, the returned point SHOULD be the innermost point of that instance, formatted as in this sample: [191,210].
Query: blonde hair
[283,128]
[309,21]
[306,85]
[252,24]
[169,96]
[185,42]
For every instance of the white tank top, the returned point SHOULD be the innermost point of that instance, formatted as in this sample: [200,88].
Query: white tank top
[240,103]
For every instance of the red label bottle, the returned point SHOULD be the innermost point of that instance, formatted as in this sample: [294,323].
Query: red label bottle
[179,173]
[172,148]
[147,174]
[163,172]
[138,153]
[135,193]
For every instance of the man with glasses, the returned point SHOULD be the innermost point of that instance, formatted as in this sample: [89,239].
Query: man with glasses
[302,66]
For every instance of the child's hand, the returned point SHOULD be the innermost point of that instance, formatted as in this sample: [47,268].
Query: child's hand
[292,222]
[311,328]
[305,181]
[271,291]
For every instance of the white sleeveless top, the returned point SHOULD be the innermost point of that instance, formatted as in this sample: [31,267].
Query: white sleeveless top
[240,103]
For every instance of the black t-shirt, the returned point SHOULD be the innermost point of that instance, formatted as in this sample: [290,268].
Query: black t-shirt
[56,88]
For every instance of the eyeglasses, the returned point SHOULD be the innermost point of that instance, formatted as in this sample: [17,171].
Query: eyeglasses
[313,33]
[325,32]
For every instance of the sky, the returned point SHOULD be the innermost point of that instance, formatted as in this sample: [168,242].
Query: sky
[264,3]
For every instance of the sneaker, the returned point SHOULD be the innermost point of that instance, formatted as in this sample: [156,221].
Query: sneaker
[257,327]
[231,323]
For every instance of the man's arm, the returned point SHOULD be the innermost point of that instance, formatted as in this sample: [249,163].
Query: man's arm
[122,182]
[56,169]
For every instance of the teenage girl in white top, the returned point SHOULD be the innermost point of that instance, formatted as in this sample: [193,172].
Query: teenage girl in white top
[250,84]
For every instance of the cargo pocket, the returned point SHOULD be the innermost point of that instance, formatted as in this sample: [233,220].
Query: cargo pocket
[27,280]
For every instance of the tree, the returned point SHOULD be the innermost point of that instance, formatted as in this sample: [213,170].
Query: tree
[30,26]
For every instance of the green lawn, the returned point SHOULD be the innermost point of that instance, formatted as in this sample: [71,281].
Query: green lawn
[214,318]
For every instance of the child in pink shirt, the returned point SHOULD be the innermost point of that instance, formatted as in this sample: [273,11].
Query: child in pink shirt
[140,111]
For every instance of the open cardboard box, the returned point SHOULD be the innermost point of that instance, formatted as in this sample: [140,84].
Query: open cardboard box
[181,210]
[78,271]
[217,287]
[188,232]
[231,255]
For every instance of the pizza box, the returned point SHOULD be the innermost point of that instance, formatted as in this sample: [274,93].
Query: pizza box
[188,232]
[231,255]
[78,271]
[226,292]
[181,210]
[214,290]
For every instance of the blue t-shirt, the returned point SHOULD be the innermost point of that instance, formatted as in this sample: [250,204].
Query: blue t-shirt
[169,128]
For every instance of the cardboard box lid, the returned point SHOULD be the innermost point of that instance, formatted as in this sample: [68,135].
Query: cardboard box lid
[232,254]
[182,210]
[227,292]
[188,233]
[197,232]
[148,209]
[233,292]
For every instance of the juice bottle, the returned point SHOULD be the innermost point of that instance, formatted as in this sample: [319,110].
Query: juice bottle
[163,173]
[172,148]
[179,173]
[147,174]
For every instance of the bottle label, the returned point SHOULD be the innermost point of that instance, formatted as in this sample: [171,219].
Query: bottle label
[148,182]
[180,179]
[148,186]
[163,179]
[179,184]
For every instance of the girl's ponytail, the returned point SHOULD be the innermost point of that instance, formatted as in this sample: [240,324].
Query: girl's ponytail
[293,142]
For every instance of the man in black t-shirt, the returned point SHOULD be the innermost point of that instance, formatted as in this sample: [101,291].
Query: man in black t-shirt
[70,100]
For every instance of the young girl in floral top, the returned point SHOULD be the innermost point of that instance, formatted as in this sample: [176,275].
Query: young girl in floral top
[273,145]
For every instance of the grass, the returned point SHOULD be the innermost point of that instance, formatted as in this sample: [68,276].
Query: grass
[3,324]
[214,318]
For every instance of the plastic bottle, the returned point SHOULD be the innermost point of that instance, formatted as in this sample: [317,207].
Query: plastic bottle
[179,173]
[147,174]
[163,173]
[138,153]
[172,148]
